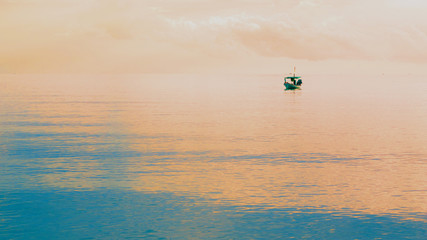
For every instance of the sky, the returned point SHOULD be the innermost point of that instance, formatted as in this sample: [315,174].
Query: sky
[222,36]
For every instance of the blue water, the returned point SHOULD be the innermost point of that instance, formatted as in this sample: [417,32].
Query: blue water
[229,157]
[115,214]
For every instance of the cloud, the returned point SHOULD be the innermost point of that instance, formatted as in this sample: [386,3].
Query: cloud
[181,36]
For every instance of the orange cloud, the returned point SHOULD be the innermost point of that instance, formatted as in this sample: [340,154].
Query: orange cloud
[152,36]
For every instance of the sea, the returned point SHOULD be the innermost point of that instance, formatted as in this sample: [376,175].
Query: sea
[222,156]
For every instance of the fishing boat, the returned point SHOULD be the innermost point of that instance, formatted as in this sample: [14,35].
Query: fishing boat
[293,82]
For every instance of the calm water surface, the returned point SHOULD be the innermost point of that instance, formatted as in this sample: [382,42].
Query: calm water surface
[212,157]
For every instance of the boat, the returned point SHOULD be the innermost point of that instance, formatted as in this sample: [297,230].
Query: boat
[293,82]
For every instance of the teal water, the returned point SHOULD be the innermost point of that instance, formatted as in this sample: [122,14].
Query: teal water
[212,157]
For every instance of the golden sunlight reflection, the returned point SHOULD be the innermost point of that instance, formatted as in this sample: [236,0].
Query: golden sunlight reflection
[369,187]
[237,140]
[222,118]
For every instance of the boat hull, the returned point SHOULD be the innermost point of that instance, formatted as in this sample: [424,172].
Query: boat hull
[291,86]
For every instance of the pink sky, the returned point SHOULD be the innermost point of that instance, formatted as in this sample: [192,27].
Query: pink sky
[243,36]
